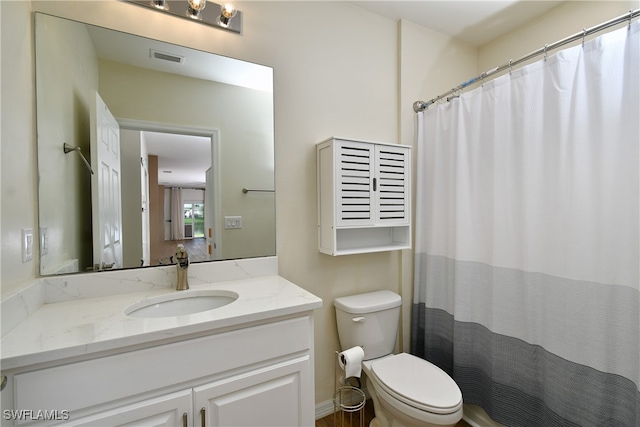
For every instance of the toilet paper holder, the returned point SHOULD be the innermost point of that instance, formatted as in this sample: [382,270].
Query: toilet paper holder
[348,401]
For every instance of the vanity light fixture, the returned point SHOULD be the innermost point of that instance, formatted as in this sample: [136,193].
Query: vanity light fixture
[224,16]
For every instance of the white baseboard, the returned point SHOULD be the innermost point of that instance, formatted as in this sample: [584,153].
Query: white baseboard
[324,408]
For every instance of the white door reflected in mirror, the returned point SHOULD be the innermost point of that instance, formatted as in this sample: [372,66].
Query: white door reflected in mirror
[106,187]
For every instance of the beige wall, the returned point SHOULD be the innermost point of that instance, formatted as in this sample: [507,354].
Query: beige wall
[65,91]
[18,179]
[131,148]
[351,74]
[568,18]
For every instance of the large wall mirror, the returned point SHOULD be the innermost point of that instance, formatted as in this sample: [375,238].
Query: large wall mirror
[144,145]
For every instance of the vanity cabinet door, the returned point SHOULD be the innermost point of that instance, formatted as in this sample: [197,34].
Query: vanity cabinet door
[280,395]
[171,410]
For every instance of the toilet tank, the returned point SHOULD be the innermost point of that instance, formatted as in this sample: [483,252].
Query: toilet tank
[369,320]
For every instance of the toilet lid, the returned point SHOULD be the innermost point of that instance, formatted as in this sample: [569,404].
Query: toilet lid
[418,383]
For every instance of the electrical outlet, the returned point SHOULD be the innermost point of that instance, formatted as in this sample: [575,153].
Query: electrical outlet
[27,244]
[232,222]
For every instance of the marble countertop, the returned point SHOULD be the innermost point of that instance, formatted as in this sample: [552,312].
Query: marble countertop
[81,327]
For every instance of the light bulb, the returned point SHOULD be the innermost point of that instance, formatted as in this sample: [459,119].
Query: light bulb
[227,11]
[197,4]
[195,7]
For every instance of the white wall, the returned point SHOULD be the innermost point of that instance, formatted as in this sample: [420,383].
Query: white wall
[351,74]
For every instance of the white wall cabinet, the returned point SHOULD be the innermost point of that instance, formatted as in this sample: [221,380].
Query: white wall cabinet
[364,196]
[261,375]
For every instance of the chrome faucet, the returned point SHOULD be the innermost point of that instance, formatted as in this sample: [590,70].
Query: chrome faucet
[182,264]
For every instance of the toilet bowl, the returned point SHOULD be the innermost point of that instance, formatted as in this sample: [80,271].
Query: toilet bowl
[406,391]
[412,392]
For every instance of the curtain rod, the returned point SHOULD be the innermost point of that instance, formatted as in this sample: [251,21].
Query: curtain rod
[422,105]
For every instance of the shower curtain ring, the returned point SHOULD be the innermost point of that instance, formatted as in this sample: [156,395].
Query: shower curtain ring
[545,51]
[510,64]
[584,34]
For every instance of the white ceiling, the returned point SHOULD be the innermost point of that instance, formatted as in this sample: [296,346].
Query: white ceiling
[185,167]
[477,22]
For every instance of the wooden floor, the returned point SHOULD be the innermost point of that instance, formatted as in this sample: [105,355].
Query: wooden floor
[196,248]
[350,420]
[353,420]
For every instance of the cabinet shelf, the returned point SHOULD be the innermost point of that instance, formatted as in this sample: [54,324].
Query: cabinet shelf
[364,197]
[371,239]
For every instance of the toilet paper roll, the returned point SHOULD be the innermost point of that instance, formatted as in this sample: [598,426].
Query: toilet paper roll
[350,361]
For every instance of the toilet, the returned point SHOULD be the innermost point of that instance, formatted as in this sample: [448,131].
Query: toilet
[406,391]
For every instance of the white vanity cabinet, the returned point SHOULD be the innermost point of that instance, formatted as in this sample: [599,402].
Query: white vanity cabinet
[364,196]
[250,375]
[172,410]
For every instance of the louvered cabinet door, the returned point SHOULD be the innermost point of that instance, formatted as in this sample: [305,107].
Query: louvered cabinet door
[354,184]
[392,185]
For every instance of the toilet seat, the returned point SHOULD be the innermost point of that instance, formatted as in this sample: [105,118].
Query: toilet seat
[417,383]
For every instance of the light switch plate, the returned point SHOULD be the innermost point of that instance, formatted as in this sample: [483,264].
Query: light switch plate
[232,222]
[27,244]
[44,240]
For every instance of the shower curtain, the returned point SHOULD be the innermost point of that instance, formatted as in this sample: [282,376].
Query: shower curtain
[527,239]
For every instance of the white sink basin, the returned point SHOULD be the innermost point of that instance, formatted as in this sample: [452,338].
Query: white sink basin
[181,303]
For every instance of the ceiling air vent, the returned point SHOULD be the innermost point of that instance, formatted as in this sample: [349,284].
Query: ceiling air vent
[155,54]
